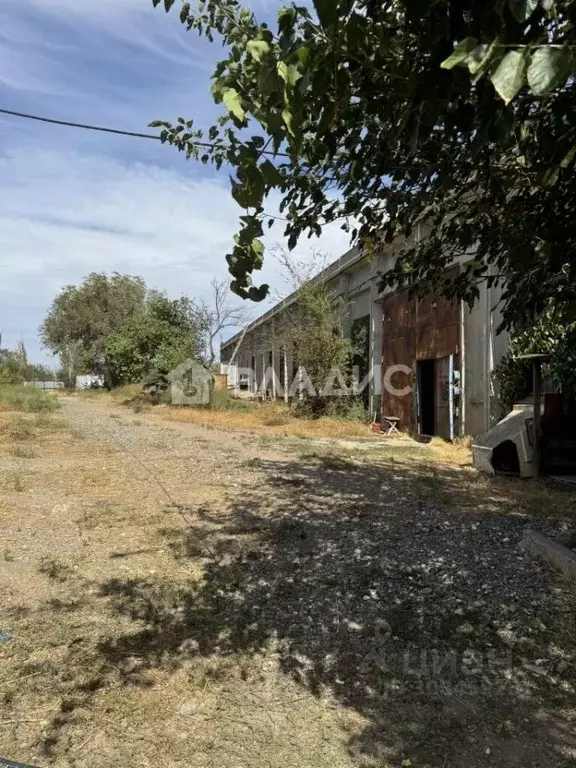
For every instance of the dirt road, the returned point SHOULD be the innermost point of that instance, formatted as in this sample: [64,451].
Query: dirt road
[181,596]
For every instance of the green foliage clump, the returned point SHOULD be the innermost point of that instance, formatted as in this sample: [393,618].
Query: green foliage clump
[222,400]
[116,327]
[15,368]
[151,344]
[552,334]
[19,398]
[455,119]
[315,338]
[82,316]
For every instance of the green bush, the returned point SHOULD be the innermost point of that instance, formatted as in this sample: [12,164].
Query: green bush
[553,334]
[222,400]
[347,408]
[18,398]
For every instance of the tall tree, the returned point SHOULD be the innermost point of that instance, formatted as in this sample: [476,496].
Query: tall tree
[81,316]
[459,113]
[152,343]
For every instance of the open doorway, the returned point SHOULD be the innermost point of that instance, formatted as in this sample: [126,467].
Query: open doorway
[427,397]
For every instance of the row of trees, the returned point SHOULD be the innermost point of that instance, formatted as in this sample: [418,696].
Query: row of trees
[15,368]
[116,327]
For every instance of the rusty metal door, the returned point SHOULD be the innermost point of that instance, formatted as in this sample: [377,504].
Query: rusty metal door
[397,350]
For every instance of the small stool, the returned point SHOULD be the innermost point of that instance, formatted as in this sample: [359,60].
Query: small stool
[391,423]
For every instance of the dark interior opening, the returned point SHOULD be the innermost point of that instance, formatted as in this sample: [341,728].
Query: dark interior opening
[505,458]
[427,398]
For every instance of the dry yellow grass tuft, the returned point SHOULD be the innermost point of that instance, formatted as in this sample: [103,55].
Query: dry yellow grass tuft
[267,418]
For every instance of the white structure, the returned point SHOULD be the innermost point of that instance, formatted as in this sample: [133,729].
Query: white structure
[89,381]
[447,352]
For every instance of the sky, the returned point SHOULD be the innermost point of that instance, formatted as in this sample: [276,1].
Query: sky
[73,202]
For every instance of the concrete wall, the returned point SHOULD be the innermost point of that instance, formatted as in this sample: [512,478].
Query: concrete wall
[483,349]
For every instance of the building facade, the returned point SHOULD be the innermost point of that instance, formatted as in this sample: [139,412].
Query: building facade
[428,361]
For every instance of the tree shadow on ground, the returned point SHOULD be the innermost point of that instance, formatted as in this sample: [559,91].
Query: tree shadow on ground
[427,620]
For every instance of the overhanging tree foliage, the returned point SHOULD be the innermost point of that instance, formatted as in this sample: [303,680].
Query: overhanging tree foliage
[380,114]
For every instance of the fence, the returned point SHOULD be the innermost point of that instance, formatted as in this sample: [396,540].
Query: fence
[45,384]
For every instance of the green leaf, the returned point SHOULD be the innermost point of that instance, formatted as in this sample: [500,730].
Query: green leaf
[258,249]
[286,19]
[270,173]
[327,11]
[168,4]
[508,78]
[288,73]
[550,177]
[461,53]
[569,158]
[258,293]
[547,4]
[549,68]
[258,49]
[304,55]
[288,118]
[482,56]
[523,9]
[184,12]
[231,99]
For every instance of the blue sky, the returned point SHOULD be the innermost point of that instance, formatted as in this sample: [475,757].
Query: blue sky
[71,201]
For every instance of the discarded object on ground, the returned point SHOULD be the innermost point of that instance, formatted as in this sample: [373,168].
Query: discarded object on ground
[508,448]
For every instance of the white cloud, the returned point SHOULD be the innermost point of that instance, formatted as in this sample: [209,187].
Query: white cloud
[71,201]
[65,214]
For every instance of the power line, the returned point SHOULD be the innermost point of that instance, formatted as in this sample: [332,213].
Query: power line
[88,127]
[154,137]
[118,132]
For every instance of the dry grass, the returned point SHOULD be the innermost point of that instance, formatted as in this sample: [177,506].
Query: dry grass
[242,416]
[12,482]
[22,452]
[115,396]
[16,428]
[266,418]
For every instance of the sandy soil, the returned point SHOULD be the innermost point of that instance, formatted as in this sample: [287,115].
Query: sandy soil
[182,596]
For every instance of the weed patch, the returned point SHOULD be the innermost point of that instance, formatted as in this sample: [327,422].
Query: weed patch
[29,399]
[12,482]
[55,569]
[17,428]
[21,452]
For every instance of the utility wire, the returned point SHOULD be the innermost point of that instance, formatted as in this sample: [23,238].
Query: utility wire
[100,128]
[118,132]
[154,137]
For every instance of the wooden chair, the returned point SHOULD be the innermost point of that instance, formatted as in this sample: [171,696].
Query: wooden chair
[390,425]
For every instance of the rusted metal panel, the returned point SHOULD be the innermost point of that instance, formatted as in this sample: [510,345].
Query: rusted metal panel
[398,349]
[436,341]
[416,329]
[398,352]
[437,327]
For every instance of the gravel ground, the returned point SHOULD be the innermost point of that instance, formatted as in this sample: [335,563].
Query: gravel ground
[331,611]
